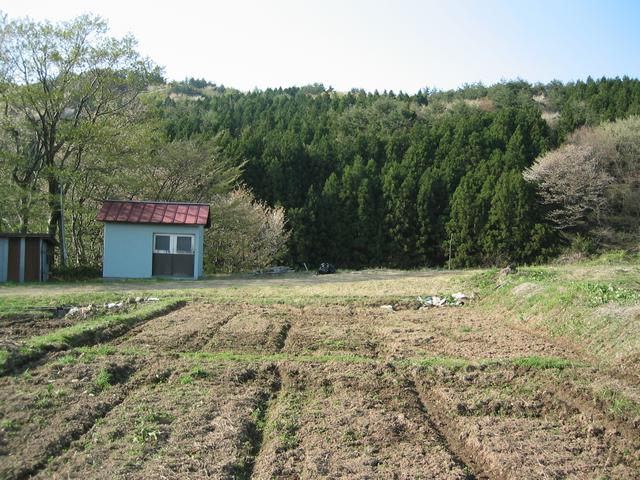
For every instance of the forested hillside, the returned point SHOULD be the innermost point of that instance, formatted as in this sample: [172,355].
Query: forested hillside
[373,179]
[355,178]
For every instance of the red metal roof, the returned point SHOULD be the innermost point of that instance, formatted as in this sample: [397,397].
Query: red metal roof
[173,213]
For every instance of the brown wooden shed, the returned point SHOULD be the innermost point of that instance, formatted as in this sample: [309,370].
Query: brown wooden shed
[24,257]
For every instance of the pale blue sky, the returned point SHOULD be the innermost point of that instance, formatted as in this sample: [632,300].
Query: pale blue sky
[398,45]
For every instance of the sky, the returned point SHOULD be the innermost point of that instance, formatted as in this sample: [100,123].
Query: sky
[397,45]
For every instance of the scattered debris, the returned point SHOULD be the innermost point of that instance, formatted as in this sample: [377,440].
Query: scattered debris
[326,268]
[454,300]
[93,310]
[273,270]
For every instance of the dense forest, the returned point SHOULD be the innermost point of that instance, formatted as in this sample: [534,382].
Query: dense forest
[307,174]
[371,179]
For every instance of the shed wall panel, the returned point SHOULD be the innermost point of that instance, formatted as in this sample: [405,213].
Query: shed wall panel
[128,248]
[4,258]
[32,260]
[13,264]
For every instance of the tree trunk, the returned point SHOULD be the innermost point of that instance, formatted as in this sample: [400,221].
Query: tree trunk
[56,219]
[25,204]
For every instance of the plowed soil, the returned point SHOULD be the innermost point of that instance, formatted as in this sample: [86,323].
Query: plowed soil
[235,391]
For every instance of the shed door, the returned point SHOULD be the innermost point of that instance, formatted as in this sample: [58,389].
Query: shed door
[173,255]
[32,260]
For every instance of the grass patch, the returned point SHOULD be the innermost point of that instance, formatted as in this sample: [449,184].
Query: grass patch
[68,359]
[229,356]
[601,293]
[446,362]
[544,363]
[79,333]
[452,363]
[284,427]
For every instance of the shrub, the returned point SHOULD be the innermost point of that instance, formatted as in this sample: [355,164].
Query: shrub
[76,272]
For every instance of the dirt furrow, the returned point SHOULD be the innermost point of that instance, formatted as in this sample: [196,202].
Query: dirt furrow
[192,420]
[54,415]
[350,421]
[256,330]
[507,424]
[469,463]
[337,330]
[455,440]
[598,411]
[187,329]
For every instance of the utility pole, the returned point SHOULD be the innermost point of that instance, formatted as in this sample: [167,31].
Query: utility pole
[63,243]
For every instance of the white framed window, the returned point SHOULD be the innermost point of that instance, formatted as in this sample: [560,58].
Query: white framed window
[173,243]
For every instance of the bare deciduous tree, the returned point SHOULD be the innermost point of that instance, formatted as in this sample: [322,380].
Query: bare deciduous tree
[592,183]
[572,183]
[245,233]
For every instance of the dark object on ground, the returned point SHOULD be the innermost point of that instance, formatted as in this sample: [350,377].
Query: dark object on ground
[326,268]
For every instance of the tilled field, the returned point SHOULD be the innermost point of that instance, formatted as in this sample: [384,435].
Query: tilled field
[245,391]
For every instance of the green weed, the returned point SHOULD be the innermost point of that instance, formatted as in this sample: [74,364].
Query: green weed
[601,293]
[198,372]
[536,274]
[68,359]
[618,403]
[10,425]
[49,397]
[147,427]
[102,381]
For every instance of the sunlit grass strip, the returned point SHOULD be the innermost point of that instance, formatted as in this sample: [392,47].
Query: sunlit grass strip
[84,333]
[453,363]
[229,356]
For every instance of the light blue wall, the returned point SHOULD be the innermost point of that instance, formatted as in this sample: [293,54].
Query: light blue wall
[128,248]
[4,259]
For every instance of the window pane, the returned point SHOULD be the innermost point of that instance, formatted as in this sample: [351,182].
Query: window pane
[183,245]
[162,243]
